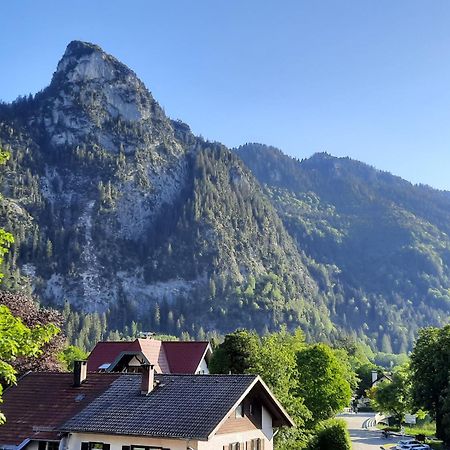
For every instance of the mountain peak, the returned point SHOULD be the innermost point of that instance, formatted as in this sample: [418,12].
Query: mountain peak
[82,47]
[89,89]
[83,62]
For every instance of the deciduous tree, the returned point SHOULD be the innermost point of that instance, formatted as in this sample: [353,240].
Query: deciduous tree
[393,397]
[18,340]
[323,381]
[430,362]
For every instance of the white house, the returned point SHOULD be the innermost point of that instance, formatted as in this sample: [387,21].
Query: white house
[145,411]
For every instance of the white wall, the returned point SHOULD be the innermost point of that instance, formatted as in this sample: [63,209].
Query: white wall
[215,443]
[116,442]
[267,424]
[202,367]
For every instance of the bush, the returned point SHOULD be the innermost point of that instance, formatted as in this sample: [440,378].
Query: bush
[333,434]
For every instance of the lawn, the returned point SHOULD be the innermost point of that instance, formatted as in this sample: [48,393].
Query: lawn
[427,429]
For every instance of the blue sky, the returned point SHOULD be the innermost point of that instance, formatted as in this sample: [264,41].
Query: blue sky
[361,78]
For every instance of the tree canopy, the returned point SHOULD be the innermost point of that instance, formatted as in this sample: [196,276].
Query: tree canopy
[290,367]
[323,381]
[430,362]
[16,340]
[393,397]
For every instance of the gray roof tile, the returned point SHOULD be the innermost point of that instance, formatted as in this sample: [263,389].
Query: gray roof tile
[180,406]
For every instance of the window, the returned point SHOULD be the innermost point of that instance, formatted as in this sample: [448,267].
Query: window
[94,446]
[254,444]
[142,447]
[48,445]
[239,412]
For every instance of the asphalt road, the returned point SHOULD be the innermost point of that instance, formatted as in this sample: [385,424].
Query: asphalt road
[365,439]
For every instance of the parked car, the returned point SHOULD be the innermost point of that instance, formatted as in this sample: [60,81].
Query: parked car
[412,445]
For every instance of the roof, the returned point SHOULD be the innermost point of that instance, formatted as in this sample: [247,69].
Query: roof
[105,352]
[166,356]
[42,401]
[185,356]
[153,351]
[180,406]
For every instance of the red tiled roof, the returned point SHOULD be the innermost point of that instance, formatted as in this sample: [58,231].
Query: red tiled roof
[167,356]
[184,356]
[154,352]
[42,401]
[106,353]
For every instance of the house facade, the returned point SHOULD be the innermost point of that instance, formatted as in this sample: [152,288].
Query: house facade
[141,411]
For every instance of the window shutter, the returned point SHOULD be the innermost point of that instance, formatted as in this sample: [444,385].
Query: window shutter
[126,447]
[106,446]
[85,446]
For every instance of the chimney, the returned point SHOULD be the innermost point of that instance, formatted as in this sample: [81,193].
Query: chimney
[374,376]
[79,373]
[148,378]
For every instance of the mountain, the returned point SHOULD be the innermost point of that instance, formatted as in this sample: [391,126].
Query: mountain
[120,210]
[381,242]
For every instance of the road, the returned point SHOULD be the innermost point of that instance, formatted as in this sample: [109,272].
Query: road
[364,439]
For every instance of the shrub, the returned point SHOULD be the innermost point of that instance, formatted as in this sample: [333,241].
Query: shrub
[333,434]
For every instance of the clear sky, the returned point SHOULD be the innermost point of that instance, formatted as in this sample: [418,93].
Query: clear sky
[369,79]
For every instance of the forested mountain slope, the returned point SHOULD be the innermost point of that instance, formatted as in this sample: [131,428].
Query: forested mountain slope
[118,209]
[382,242]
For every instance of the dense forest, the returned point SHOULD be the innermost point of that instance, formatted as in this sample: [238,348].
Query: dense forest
[380,241]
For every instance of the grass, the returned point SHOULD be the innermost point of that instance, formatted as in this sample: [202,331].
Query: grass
[427,429]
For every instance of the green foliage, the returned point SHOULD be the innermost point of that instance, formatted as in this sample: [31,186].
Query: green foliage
[307,379]
[277,365]
[236,354]
[430,362]
[6,239]
[16,340]
[393,397]
[364,374]
[390,360]
[70,354]
[384,278]
[323,381]
[333,434]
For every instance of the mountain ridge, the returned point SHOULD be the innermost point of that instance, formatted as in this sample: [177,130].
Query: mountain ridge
[129,213]
[119,209]
[387,238]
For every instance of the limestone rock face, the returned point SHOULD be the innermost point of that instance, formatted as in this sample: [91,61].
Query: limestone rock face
[128,212]
[91,88]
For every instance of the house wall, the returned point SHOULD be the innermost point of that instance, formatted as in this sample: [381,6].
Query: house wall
[267,424]
[33,445]
[251,420]
[116,442]
[203,367]
[218,441]
[233,424]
